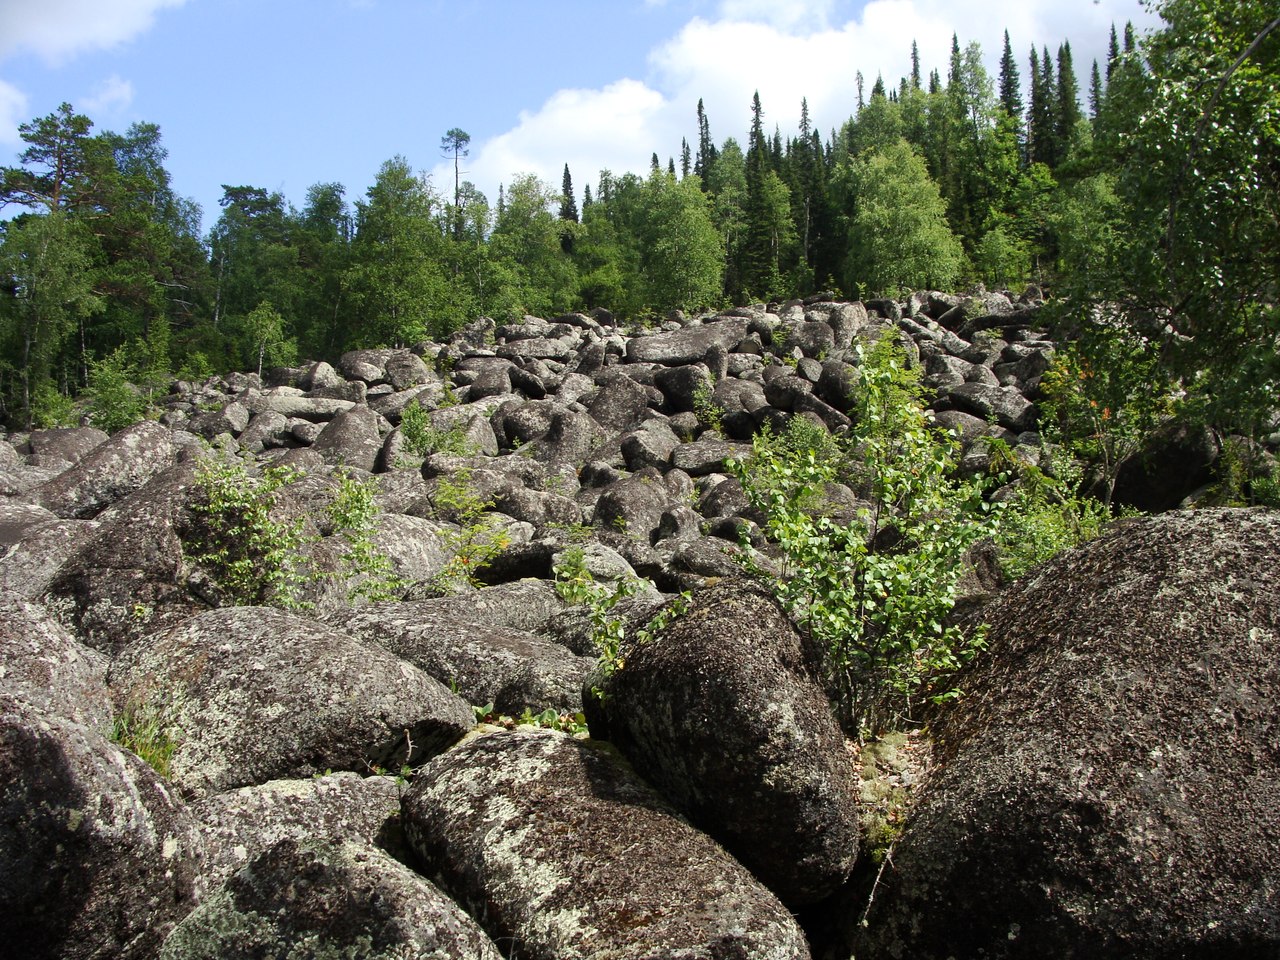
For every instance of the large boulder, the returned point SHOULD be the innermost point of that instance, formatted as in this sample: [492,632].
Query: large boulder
[41,664]
[239,825]
[325,898]
[262,694]
[688,344]
[562,853]
[130,576]
[112,470]
[510,669]
[97,858]
[351,439]
[34,543]
[1110,784]
[724,712]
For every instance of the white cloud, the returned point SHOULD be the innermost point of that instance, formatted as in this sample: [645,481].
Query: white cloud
[13,111]
[616,127]
[59,29]
[786,51]
[111,96]
[783,14]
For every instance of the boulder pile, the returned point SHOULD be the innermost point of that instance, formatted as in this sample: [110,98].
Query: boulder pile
[188,772]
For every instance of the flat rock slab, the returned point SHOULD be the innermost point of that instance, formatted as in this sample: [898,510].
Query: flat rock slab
[239,825]
[563,853]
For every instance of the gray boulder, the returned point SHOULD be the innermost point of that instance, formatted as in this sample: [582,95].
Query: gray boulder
[261,694]
[1005,405]
[111,471]
[485,664]
[97,858]
[725,713]
[563,853]
[325,898]
[34,543]
[130,576]
[1109,785]
[688,344]
[41,664]
[63,446]
[239,825]
[351,439]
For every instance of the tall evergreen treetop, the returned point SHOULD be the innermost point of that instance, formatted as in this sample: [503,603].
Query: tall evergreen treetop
[568,206]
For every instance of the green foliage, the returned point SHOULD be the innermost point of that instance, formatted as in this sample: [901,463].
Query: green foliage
[899,237]
[1048,512]
[422,439]
[353,514]
[50,407]
[549,719]
[874,594]
[149,730]
[479,538]
[1104,397]
[252,553]
[575,585]
[709,413]
[114,402]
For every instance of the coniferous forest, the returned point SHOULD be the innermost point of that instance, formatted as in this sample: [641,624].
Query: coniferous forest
[1144,190]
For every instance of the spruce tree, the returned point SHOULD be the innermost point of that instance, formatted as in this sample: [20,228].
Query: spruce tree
[706,148]
[1113,53]
[586,199]
[685,158]
[1095,94]
[1067,114]
[1011,94]
[568,206]
[915,64]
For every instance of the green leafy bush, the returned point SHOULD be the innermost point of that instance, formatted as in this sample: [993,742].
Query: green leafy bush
[479,538]
[422,438]
[353,514]
[114,402]
[253,555]
[875,594]
[1048,511]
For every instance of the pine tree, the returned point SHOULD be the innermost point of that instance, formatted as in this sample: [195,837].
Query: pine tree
[858,81]
[685,158]
[586,199]
[671,166]
[568,206]
[915,64]
[1011,94]
[1130,38]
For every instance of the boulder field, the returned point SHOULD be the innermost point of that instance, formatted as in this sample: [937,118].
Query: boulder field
[188,772]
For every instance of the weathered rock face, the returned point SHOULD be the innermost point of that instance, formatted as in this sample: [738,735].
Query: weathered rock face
[41,664]
[260,694]
[1112,783]
[239,825]
[112,470]
[722,712]
[486,664]
[563,853]
[323,898]
[129,576]
[97,859]
[33,545]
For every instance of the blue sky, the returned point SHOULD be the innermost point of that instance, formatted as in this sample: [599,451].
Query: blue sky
[282,94]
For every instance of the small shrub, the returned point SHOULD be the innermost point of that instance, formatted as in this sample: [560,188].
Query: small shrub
[422,438]
[50,407]
[253,556]
[114,402]
[875,595]
[479,538]
[709,413]
[1048,512]
[353,514]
